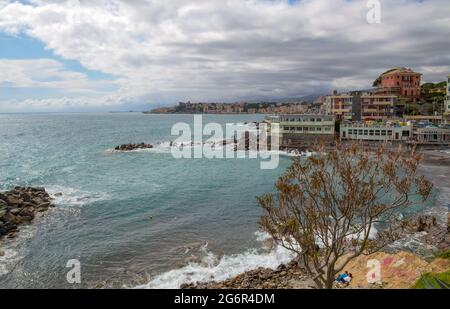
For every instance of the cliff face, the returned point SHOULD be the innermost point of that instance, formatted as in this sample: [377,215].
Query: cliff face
[397,271]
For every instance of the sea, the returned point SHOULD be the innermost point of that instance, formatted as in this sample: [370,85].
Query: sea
[141,219]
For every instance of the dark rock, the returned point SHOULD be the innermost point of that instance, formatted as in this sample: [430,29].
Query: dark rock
[27,213]
[421,223]
[38,189]
[3,203]
[14,201]
[19,206]
[131,147]
[285,277]
[24,219]
[15,211]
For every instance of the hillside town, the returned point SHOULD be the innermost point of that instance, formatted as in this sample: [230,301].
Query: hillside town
[398,109]
[379,115]
[234,108]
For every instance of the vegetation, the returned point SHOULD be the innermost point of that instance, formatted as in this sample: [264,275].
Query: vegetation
[444,255]
[433,281]
[326,206]
[433,96]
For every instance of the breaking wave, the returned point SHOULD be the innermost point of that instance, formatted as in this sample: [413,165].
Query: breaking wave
[213,268]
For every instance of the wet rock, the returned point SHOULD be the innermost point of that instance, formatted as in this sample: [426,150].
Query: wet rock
[131,147]
[422,223]
[19,206]
[284,277]
[3,203]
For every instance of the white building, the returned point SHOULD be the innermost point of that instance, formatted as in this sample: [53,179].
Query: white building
[375,132]
[295,130]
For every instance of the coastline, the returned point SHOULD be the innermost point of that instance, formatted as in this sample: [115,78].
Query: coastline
[401,268]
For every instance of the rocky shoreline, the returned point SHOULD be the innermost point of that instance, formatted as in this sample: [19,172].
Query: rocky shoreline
[289,276]
[131,147]
[20,206]
[401,274]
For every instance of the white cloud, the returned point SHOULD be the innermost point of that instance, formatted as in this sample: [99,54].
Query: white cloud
[46,74]
[234,49]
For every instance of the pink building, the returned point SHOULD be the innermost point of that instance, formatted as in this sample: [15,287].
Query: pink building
[403,82]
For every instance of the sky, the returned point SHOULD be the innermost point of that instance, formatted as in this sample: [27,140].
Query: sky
[94,55]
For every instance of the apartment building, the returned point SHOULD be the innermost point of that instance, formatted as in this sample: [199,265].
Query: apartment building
[302,130]
[377,107]
[394,132]
[447,98]
[341,105]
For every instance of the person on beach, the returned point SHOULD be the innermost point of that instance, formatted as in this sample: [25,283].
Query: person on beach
[348,279]
[341,278]
[344,279]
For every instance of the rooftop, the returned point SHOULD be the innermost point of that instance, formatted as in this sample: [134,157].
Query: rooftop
[400,71]
[376,124]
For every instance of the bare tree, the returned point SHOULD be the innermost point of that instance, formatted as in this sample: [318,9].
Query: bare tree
[326,206]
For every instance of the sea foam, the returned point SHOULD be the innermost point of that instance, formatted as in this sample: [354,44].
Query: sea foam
[212,268]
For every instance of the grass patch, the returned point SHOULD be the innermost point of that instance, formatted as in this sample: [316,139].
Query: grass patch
[430,279]
[444,255]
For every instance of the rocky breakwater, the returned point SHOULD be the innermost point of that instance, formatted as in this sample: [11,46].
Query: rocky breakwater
[289,276]
[434,234]
[131,147]
[20,206]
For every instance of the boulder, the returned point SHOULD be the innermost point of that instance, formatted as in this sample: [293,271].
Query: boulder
[14,201]
[131,147]
[422,223]
[3,203]
[15,211]
[19,206]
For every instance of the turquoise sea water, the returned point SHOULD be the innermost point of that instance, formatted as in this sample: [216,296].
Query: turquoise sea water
[132,219]
[198,206]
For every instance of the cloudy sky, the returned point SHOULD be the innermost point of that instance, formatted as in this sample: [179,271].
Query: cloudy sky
[73,55]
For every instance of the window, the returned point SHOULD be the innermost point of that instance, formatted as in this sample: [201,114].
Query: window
[383,133]
[305,129]
[390,133]
[360,132]
[371,132]
[405,133]
[366,132]
[299,128]
[350,131]
[377,133]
